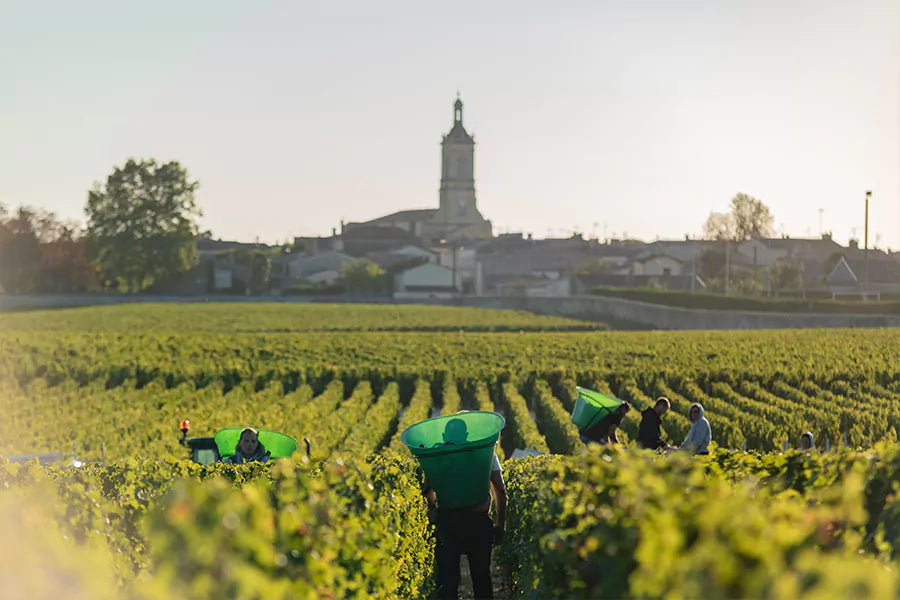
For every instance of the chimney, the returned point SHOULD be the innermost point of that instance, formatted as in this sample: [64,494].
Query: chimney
[854,244]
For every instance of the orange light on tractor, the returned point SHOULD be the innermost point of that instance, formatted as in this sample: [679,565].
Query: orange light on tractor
[185,426]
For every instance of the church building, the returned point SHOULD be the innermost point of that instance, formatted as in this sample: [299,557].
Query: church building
[457,217]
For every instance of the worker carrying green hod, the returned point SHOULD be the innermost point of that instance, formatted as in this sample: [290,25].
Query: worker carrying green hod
[249,448]
[598,416]
[462,479]
[604,431]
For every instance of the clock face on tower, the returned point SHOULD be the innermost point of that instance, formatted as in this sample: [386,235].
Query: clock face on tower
[462,207]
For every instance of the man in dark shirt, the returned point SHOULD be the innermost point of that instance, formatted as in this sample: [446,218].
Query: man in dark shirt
[604,431]
[649,433]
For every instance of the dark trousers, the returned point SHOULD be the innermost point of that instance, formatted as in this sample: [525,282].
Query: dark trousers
[464,532]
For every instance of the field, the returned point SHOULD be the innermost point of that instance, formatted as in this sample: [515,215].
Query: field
[350,521]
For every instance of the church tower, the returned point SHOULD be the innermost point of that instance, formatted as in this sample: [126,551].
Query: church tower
[457,216]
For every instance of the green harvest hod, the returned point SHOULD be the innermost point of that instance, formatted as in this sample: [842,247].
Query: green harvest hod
[456,452]
[278,444]
[591,406]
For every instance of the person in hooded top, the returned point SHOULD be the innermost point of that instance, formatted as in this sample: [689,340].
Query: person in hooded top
[807,443]
[249,448]
[700,435]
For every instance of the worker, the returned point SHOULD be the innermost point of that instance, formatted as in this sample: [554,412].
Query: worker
[249,448]
[467,530]
[604,431]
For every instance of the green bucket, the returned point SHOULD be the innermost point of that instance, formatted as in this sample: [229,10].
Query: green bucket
[456,452]
[591,406]
[278,444]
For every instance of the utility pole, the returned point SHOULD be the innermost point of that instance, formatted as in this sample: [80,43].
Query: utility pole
[727,264]
[866,250]
[455,289]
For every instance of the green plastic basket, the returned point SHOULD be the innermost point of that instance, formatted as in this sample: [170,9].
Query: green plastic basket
[278,444]
[456,452]
[591,406]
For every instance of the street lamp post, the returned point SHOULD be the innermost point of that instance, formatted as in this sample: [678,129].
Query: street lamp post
[866,250]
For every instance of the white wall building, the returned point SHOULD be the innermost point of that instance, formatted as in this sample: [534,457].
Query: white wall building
[426,281]
[658,265]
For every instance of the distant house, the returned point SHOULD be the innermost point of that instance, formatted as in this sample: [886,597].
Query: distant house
[362,239]
[322,268]
[416,252]
[208,247]
[410,221]
[395,261]
[551,259]
[842,279]
[426,281]
[657,265]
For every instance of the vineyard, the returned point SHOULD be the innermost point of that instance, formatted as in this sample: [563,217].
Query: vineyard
[350,522]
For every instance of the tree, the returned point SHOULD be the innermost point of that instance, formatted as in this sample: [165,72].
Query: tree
[594,267]
[64,266]
[20,250]
[364,276]
[260,270]
[141,225]
[751,218]
[747,218]
[711,263]
[787,275]
[41,253]
[719,227]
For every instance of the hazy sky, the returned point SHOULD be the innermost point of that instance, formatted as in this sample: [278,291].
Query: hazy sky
[639,117]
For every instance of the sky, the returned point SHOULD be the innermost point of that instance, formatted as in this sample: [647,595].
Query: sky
[613,119]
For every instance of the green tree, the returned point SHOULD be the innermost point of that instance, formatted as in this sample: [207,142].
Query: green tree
[711,263]
[595,267]
[20,249]
[364,276]
[260,270]
[41,253]
[259,266]
[787,275]
[141,225]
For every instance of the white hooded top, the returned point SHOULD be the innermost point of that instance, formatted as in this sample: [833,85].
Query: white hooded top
[700,435]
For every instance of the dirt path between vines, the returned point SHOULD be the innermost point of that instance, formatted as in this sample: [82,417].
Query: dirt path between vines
[465,588]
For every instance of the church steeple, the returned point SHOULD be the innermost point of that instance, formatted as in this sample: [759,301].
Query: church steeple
[457,216]
[457,111]
[458,133]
